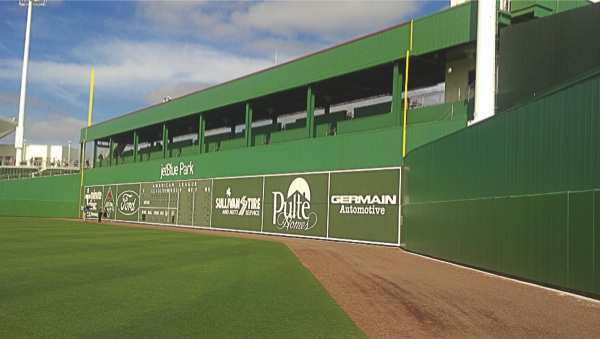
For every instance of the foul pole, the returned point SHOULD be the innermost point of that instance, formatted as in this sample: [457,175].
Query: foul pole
[406,90]
[89,123]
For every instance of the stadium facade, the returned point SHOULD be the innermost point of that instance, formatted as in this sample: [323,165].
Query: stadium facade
[373,141]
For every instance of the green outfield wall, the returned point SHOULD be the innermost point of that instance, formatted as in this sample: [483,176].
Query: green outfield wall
[56,196]
[518,193]
[357,205]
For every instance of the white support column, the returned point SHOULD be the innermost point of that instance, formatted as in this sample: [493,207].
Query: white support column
[485,65]
[19,132]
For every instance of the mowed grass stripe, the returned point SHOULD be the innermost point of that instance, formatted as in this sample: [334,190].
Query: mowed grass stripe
[74,279]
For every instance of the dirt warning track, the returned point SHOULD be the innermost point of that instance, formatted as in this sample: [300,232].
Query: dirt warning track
[391,293]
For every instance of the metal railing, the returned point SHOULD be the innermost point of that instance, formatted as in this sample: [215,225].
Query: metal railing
[22,172]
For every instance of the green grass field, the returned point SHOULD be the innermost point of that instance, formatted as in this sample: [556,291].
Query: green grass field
[73,279]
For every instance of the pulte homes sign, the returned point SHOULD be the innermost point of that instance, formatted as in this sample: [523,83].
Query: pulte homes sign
[357,205]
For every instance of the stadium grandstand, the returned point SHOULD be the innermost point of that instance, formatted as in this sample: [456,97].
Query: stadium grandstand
[38,160]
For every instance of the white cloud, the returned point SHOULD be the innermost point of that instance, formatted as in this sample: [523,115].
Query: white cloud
[327,20]
[141,68]
[299,27]
[333,19]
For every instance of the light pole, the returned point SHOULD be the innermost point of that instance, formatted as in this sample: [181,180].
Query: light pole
[19,131]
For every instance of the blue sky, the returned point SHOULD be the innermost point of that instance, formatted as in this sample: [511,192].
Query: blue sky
[143,51]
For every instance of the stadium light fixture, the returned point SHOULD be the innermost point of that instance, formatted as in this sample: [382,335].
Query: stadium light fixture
[20,128]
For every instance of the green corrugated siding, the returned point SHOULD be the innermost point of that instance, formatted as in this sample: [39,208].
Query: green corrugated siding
[548,145]
[581,241]
[51,197]
[517,193]
[539,54]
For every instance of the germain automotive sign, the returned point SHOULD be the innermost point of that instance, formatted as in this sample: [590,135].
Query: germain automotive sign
[365,205]
[358,205]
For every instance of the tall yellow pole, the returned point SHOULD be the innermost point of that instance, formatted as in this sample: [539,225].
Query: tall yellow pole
[406,91]
[405,105]
[91,102]
[89,123]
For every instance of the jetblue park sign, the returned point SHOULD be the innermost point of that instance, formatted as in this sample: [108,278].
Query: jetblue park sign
[357,205]
[182,169]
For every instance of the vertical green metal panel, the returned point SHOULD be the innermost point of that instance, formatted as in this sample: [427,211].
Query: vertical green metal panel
[248,129]
[581,241]
[533,243]
[310,112]
[518,222]
[596,242]
[557,236]
[165,137]
[488,234]
[448,239]
[470,239]
[500,224]
[201,130]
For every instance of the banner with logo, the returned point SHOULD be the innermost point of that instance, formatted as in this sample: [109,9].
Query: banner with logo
[364,205]
[93,197]
[237,203]
[296,204]
[357,205]
[110,201]
[128,202]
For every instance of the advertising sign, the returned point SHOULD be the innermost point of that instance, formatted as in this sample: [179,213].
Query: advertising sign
[93,197]
[237,203]
[365,205]
[358,205]
[110,201]
[296,204]
[128,202]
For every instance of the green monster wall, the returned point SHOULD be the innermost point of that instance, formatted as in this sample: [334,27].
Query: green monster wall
[518,193]
[343,203]
[356,205]
[51,197]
